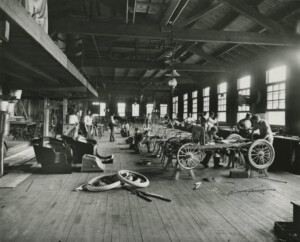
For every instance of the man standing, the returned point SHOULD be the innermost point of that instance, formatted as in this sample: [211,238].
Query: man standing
[147,122]
[88,123]
[265,131]
[112,125]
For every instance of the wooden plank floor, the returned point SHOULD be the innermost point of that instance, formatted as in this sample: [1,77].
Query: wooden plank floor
[45,207]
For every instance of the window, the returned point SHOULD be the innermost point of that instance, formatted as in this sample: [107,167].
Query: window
[149,108]
[163,110]
[135,110]
[185,106]
[206,92]
[102,108]
[276,79]
[243,85]
[121,109]
[222,101]
[175,107]
[195,104]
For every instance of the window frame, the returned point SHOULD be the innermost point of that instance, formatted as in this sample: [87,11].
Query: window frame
[185,105]
[175,107]
[276,89]
[118,106]
[206,99]
[222,101]
[244,91]
[162,115]
[138,110]
[195,104]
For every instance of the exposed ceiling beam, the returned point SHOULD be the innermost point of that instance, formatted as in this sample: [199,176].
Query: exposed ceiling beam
[254,15]
[62,89]
[200,52]
[150,4]
[19,15]
[180,8]
[153,32]
[181,79]
[170,11]
[289,9]
[4,52]
[200,14]
[94,62]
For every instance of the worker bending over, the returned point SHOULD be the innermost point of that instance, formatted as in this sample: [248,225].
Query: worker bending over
[263,127]
[211,137]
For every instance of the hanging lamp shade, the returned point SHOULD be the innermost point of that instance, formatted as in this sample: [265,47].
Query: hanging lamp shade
[172,83]
[174,73]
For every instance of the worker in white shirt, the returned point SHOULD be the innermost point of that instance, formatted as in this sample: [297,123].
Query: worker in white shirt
[88,123]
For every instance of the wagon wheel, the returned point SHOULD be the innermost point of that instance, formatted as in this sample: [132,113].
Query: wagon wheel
[261,154]
[234,137]
[189,156]
[133,178]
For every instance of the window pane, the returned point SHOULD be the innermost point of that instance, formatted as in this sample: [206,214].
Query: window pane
[195,94]
[102,109]
[222,87]
[244,82]
[222,116]
[276,118]
[135,110]
[206,91]
[276,74]
[149,108]
[121,109]
[163,110]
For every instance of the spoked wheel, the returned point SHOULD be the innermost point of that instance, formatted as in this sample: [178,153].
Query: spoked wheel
[133,178]
[234,137]
[189,156]
[261,154]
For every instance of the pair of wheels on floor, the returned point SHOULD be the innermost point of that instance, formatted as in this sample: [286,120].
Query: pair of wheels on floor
[122,178]
[260,153]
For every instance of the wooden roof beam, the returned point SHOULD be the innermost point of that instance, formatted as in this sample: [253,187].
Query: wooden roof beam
[170,11]
[95,62]
[191,35]
[200,52]
[202,13]
[19,15]
[25,64]
[254,15]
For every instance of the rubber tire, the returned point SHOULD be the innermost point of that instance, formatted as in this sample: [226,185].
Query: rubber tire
[132,183]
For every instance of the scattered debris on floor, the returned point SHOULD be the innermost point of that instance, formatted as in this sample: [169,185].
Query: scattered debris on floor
[249,190]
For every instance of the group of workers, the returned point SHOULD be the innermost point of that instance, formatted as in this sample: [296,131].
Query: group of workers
[205,130]
[249,126]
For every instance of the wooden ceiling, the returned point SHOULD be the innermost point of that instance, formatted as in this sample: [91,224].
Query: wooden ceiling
[125,47]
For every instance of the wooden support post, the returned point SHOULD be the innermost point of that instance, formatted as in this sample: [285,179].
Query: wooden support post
[65,110]
[1,154]
[46,118]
